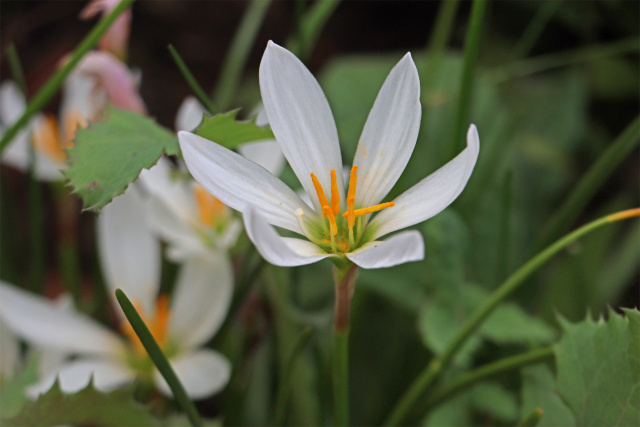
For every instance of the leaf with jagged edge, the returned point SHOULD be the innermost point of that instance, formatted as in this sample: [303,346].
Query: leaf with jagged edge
[13,390]
[225,130]
[599,369]
[110,154]
[85,407]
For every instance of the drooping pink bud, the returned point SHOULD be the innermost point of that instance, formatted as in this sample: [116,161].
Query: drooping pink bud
[116,38]
[115,78]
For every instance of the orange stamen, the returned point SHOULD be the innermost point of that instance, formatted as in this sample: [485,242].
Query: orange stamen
[335,195]
[351,196]
[209,208]
[158,325]
[326,208]
[72,121]
[370,209]
[46,139]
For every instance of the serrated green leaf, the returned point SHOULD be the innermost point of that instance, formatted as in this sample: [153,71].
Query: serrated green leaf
[110,154]
[86,407]
[538,391]
[599,369]
[225,130]
[12,390]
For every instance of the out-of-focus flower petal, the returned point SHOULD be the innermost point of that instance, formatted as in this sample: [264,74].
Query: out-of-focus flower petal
[116,38]
[403,247]
[202,373]
[189,114]
[301,119]
[266,153]
[431,195]
[9,351]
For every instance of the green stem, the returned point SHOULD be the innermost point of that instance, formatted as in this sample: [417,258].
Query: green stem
[239,50]
[472,44]
[16,68]
[555,60]
[591,182]
[68,259]
[531,420]
[438,364]
[51,87]
[310,26]
[345,280]
[505,227]
[487,371]
[158,358]
[285,382]
[191,80]
[531,34]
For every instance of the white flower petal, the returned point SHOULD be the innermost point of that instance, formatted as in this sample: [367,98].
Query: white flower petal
[202,373]
[240,183]
[129,253]
[389,135]
[12,103]
[431,195]
[9,352]
[281,251]
[301,119]
[80,96]
[107,375]
[403,247]
[266,153]
[201,299]
[189,114]
[41,322]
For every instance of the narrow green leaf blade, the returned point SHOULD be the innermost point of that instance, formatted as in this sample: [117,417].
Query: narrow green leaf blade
[225,130]
[12,390]
[111,153]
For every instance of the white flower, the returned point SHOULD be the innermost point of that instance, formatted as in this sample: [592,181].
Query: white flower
[184,214]
[338,225]
[130,257]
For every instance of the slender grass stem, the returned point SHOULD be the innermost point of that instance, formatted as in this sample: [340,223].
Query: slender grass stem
[239,50]
[499,367]
[16,68]
[285,381]
[533,31]
[472,44]
[68,257]
[505,227]
[591,182]
[438,364]
[191,81]
[310,26]
[53,84]
[158,358]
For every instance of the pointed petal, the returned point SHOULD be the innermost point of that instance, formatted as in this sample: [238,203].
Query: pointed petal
[202,373]
[240,183]
[41,322]
[266,153]
[281,251]
[301,119]
[201,299]
[389,135]
[403,247]
[189,114]
[129,252]
[431,195]
[107,375]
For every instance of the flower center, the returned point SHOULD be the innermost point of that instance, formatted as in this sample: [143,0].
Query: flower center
[210,209]
[48,139]
[157,324]
[341,236]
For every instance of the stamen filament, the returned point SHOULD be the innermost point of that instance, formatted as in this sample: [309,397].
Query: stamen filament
[370,209]
[335,195]
[326,208]
[351,198]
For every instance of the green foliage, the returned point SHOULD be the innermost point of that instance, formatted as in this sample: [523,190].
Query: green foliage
[13,390]
[225,130]
[110,154]
[538,391]
[86,407]
[599,369]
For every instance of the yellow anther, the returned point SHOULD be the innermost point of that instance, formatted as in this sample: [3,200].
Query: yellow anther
[351,196]
[370,209]
[72,121]
[46,139]
[333,228]
[209,208]
[319,191]
[335,195]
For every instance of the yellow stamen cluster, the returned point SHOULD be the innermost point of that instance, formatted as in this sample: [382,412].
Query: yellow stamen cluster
[158,324]
[331,211]
[210,209]
[48,139]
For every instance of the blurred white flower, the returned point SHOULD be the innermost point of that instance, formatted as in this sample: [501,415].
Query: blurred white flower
[117,36]
[337,225]
[131,261]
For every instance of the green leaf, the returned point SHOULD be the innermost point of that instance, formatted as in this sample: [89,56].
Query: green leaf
[225,130]
[111,153]
[599,369]
[86,407]
[538,391]
[12,390]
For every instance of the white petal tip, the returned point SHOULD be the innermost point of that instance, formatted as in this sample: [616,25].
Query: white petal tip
[473,139]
